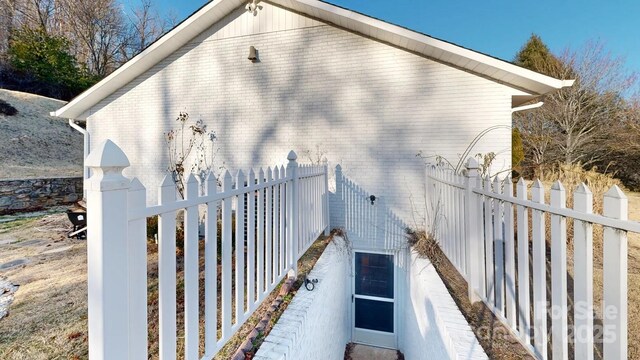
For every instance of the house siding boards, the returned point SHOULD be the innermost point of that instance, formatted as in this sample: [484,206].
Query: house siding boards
[371,106]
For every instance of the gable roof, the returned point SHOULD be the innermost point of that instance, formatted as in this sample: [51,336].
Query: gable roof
[468,60]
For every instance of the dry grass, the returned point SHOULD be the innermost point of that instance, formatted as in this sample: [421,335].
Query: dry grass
[494,337]
[48,318]
[34,144]
[599,184]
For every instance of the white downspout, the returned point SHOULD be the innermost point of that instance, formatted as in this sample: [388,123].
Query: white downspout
[527,107]
[85,133]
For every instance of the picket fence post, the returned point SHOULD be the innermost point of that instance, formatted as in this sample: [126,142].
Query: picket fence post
[108,269]
[293,206]
[615,277]
[583,278]
[327,229]
[473,241]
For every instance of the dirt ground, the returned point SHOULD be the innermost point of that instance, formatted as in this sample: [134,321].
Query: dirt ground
[34,144]
[48,316]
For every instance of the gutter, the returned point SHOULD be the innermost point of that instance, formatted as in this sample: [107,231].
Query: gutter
[85,133]
[527,107]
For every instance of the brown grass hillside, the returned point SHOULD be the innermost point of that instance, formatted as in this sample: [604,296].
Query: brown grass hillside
[34,144]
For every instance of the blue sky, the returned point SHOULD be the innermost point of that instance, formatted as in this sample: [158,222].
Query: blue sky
[500,27]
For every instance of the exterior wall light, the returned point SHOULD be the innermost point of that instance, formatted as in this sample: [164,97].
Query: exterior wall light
[253,54]
[373,199]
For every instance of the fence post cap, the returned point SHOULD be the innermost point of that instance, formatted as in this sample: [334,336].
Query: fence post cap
[338,168]
[107,162]
[472,163]
[107,155]
[522,182]
[583,189]
[292,156]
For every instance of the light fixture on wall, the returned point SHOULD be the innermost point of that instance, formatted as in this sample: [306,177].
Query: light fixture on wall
[372,198]
[253,54]
[253,7]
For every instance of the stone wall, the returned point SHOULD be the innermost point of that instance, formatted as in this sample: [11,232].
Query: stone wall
[37,194]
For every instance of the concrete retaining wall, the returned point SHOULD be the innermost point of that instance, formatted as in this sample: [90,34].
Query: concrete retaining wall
[36,194]
[316,325]
[433,327]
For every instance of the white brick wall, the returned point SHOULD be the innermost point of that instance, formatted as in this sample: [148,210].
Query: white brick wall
[316,325]
[372,107]
[433,327]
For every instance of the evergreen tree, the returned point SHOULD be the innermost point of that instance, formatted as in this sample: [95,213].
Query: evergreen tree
[44,61]
[535,55]
[517,150]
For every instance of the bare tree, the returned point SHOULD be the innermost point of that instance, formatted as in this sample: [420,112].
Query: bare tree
[574,122]
[586,112]
[145,26]
[97,29]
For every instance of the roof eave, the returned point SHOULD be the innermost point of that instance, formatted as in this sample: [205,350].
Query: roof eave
[156,52]
[439,50]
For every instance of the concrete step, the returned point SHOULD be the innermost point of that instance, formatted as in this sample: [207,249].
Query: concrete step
[364,352]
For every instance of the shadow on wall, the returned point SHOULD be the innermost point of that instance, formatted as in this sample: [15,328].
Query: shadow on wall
[368,221]
[423,337]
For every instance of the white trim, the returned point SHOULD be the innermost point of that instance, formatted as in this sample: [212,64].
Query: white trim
[211,13]
[527,107]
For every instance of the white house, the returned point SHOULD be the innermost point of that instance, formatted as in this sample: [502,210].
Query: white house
[368,94]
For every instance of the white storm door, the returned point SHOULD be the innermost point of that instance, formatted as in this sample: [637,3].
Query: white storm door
[374,307]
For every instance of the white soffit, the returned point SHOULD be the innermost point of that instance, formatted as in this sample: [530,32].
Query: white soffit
[442,51]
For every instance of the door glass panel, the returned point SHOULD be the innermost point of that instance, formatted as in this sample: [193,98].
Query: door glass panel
[374,275]
[374,315]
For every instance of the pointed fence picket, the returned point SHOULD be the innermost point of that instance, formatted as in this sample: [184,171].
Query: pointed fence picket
[539,273]
[498,242]
[263,224]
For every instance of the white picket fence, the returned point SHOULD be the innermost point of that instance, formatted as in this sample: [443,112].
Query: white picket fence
[475,221]
[278,214]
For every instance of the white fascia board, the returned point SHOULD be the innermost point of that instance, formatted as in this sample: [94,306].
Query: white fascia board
[212,12]
[529,80]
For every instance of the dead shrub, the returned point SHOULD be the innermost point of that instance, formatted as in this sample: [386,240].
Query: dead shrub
[425,245]
[571,176]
